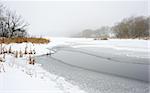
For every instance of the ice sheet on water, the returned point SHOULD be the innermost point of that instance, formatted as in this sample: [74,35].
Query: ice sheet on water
[93,82]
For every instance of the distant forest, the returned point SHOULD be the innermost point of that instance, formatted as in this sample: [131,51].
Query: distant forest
[132,27]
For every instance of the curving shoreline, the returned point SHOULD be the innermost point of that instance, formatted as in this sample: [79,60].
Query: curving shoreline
[87,78]
[92,82]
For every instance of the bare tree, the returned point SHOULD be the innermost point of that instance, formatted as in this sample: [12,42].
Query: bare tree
[102,32]
[11,24]
[16,26]
[87,33]
[2,20]
[133,27]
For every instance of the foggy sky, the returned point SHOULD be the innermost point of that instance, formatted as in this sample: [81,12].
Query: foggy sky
[62,18]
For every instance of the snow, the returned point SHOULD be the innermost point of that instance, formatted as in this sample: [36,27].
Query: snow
[124,44]
[133,45]
[14,80]
[20,77]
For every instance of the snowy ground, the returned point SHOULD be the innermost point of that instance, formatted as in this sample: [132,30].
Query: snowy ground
[96,66]
[22,77]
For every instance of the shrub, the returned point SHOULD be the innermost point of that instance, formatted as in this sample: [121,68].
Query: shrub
[104,38]
[24,39]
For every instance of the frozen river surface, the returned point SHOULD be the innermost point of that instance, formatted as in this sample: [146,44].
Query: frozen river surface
[101,70]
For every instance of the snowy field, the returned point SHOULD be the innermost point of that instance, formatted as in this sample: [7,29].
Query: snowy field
[20,77]
[17,76]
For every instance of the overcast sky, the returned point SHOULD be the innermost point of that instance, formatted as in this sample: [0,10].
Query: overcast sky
[62,18]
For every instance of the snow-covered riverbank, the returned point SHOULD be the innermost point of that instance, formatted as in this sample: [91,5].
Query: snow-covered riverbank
[17,76]
[22,77]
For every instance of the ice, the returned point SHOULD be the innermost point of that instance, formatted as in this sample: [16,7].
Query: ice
[20,77]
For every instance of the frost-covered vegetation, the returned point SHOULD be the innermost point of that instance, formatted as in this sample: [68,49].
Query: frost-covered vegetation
[13,29]
[11,24]
[17,62]
[132,27]
[24,39]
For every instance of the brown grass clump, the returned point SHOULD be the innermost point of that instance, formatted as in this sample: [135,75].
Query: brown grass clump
[31,60]
[24,39]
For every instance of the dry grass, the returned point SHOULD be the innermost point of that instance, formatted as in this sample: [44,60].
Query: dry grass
[21,40]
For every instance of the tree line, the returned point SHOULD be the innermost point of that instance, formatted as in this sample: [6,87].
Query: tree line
[11,24]
[132,27]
